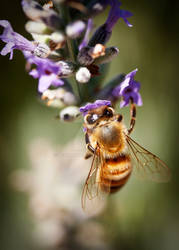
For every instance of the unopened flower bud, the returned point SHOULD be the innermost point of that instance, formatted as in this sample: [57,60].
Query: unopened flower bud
[101,36]
[36,27]
[69,114]
[56,103]
[54,41]
[36,12]
[98,50]
[41,38]
[57,37]
[74,30]
[49,94]
[42,50]
[83,75]
[57,40]
[108,56]
[84,57]
[66,68]
[59,97]
[69,99]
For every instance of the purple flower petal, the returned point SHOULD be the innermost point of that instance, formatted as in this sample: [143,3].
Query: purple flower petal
[89,106]
[86,36]
[47,72]
[8,48]
[128,90]
[14,40]
[116,13]
[44,83]
[34,73]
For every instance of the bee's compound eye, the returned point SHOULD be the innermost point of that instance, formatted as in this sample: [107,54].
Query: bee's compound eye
[90,119]
[108,112]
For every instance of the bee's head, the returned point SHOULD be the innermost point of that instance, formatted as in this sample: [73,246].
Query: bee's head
[95,116]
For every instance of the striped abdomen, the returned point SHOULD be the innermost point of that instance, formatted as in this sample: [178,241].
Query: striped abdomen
[115,173]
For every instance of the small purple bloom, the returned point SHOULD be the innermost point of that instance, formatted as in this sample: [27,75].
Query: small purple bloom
[116,13]
[89,106]
[103,33]
[129,90]
[86,36]
[14,40]
[47,72]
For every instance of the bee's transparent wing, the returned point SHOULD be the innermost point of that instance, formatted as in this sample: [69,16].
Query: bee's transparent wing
[93,197]
[146,164]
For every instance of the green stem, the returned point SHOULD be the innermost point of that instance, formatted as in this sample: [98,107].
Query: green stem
[79,91]
[71,44]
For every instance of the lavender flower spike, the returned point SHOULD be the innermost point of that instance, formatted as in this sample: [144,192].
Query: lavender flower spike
[47,72]
[89,106]
[128,90]
[116,13]
[14,40]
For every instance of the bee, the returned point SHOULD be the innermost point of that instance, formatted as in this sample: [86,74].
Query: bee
[114,154]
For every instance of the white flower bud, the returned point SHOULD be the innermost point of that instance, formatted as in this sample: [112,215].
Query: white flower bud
[69,99]
[75,29]
[69,114]
[41,38]
[49,94]
[58,97]
[35,27]
[83,75]
[66,68]
[42,50]
[98,50]
[57,37]
[55,103]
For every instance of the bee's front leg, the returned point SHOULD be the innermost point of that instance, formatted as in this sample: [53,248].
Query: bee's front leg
[90,149]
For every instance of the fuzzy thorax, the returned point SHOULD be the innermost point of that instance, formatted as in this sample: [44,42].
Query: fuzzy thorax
[110,138]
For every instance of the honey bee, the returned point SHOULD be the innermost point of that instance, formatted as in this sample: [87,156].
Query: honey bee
[114,155]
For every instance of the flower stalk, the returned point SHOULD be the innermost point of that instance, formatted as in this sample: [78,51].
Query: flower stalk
[66,51]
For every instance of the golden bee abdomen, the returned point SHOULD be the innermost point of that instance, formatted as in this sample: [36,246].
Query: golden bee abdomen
[115,173]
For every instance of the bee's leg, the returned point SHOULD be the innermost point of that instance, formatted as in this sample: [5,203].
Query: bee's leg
[90,149]
[133,117]
[88,155]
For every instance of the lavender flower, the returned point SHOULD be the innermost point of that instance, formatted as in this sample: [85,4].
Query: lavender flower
[14,40]
[46,71]
[103,33]
[89,106]
[128,90]
[116,13]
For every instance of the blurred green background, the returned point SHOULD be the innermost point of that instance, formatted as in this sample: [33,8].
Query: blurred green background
[143,215]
